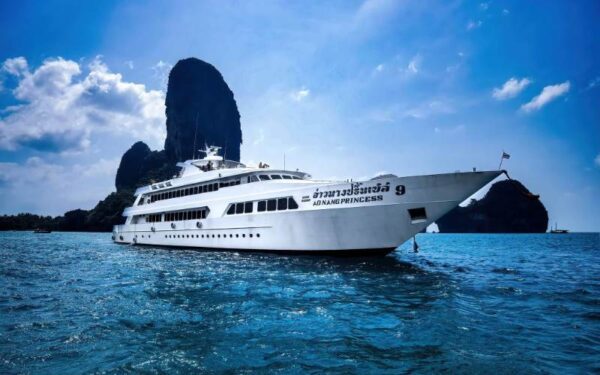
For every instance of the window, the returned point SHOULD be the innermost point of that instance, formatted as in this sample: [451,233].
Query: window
[257,235]
[417,215]
[250,235]
[262,206]
[275,177]
[282,204]
[204,188]
[252,178]
[264,177]
[215,186]
[210,188]
[271,205]
[231,210]
[239,208]
[292,205]
[296,178]
[286,177]
[248,207]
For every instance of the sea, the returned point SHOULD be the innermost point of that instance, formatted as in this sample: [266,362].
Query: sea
[74,303]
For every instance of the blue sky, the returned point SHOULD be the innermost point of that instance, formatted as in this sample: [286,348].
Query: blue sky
[343,88]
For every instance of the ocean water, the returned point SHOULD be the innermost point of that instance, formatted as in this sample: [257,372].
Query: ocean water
[75,303]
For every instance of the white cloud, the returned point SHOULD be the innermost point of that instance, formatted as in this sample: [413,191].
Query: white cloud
[62,108]
[510,89]
[505,12]
[129,64]
[484,6]
[161,72]
[15,66]
[414,65]
[548,94]
[428,109]
[471,25]
[379,68]
[45,180]
[594,82]
[300,95]
[597,160]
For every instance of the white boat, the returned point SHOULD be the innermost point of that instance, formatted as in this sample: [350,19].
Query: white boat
[221,204]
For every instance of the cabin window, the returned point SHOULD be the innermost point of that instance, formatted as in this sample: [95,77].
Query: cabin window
[253,178]
[296,178]
[248,207]
[215,186]
[239,208]
[292,205]
[262,206]
[264,177]
[417,215]
[275,177]
[210,188]
[271,205]
[231,210]
[282,204]
[286,177]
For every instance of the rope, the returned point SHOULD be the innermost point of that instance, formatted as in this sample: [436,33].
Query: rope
[520,187]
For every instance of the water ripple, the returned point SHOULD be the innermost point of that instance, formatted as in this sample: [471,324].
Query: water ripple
[74,303]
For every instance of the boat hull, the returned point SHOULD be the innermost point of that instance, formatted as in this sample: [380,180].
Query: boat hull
[322,225]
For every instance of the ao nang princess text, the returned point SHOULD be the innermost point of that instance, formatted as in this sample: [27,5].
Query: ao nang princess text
[356,193]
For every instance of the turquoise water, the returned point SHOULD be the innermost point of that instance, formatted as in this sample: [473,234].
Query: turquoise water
[77,303]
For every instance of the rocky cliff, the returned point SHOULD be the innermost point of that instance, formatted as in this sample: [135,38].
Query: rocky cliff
[200,110]
[508,207]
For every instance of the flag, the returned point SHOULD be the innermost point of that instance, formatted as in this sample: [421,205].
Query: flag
[505,155]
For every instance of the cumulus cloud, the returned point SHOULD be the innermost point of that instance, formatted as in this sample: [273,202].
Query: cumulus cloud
[510,88]
[62,107]
[548,94]
[15,66]
[300,95]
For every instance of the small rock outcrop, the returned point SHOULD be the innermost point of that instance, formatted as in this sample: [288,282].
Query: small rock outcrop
[132,165]
[508,207]
[200,110]
[139,166]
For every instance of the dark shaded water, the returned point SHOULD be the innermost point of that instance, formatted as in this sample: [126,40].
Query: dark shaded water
[76,303]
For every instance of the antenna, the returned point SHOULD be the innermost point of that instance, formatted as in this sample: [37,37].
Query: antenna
[195,132]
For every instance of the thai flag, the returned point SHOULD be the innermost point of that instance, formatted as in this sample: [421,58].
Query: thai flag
[505,155]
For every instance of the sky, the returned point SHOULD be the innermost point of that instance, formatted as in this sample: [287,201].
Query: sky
[345,89]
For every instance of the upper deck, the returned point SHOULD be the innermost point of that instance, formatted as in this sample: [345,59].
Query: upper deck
[210,171]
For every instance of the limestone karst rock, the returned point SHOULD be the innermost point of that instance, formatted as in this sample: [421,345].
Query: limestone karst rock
[508,207]
[200,110]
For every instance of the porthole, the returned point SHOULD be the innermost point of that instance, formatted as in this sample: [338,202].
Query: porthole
[213,236]
[218,236]
[244,235]
[237,235]
[231,236]
[250,235]
[257,235]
